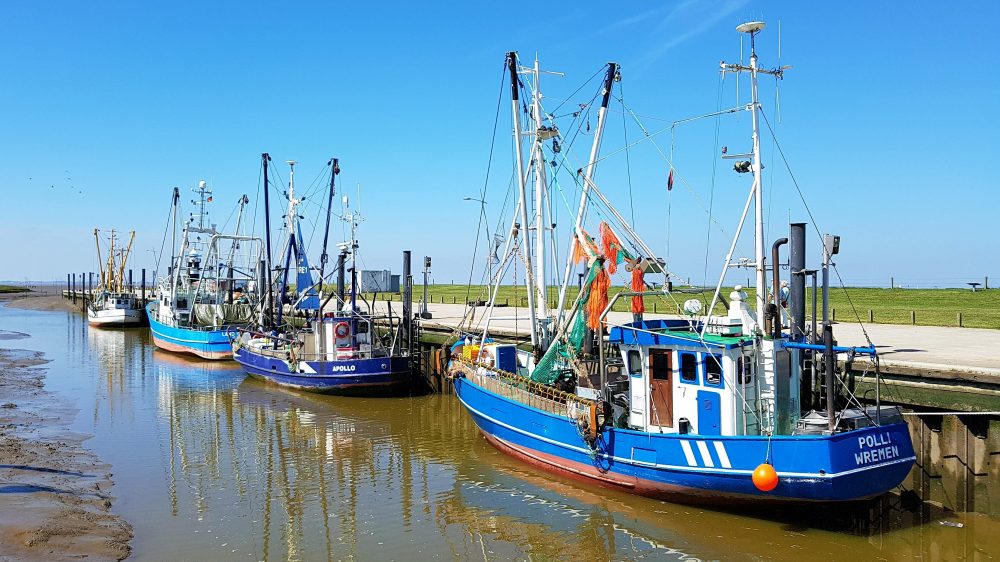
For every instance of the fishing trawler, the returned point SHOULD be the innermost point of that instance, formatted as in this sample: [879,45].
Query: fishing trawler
[112,304]
[211,288]
[325,343]
[745,406]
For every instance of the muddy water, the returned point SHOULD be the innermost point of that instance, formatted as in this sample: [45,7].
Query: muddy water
[211,465]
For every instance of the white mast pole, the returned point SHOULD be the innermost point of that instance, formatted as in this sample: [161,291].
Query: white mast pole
[752,28]
[758,187]
[539,163]
[292,202]
[588,179]
[526,247]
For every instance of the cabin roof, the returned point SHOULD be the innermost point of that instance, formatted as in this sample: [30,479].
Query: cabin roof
[671,332]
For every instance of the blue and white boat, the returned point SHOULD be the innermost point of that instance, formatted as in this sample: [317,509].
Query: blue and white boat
[740,407]
[326,345]
[211,289]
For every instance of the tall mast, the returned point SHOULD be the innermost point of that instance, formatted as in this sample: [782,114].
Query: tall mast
[581,211]
[265,158]
[759,241]
[752,28]
[202,190]
[174,199]
[124,258]
[521,180]
[292,201]
[538,160]
[100,262]
[334,170]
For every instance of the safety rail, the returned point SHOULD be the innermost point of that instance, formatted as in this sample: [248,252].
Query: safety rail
[512,386]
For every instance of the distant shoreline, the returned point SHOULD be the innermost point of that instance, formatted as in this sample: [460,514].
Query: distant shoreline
[45,298]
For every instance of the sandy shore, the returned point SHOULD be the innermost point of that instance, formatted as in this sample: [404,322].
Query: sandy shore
[55,501]
[44,297]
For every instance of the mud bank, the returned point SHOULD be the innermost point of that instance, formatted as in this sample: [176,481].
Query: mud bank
[55,495]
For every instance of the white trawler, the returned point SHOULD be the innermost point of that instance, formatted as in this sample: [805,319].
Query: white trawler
[112,304]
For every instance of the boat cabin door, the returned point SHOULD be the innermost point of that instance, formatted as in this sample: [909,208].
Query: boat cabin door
[661,388]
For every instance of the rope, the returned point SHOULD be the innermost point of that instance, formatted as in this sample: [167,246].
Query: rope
[715,167]
[482,193]
[815,224]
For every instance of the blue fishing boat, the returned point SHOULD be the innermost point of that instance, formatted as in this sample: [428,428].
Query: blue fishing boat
[327,345]
[745,407]
[211,289]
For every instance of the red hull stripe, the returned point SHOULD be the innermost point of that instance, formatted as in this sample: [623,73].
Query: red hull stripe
[214,355]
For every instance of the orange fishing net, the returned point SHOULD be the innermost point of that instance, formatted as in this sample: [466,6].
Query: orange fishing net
[637,285]
[598,300]
[610,246]
[580,252]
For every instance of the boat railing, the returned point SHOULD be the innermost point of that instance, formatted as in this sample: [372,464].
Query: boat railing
[581,411]
[291,348]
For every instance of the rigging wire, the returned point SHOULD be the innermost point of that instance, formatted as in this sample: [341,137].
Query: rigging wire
[815,224]
[482,192]
[715,167]
[628,161]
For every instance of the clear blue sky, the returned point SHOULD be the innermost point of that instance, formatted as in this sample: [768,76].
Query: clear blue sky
[889,119]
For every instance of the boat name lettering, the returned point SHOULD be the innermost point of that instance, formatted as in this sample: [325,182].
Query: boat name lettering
[343,368]
[875,448]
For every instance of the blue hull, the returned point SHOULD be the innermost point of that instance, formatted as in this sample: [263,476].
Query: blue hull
[378,376]
[847,466]
[208,344]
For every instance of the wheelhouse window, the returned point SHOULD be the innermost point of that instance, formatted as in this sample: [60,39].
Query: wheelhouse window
[634,362]
[713,370]
[744,374]
[689,368]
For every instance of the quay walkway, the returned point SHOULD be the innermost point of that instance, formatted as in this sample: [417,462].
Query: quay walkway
[971,351]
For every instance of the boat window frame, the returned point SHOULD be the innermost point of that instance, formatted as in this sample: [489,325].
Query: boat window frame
[717,358]
[744,372]
[680,367]
[637,356]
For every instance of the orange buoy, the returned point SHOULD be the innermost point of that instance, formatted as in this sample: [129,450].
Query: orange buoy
[765,478]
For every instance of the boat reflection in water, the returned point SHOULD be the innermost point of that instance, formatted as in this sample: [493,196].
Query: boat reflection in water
[211,465]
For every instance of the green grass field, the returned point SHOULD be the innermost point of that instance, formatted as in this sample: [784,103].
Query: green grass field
[923,307]
[13,289]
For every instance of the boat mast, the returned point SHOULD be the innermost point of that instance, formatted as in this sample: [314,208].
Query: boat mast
[752,28]
[538,160]
[174,199]
[121,267]
[521,181]
[174,259]
[609,79]
[292,245]
[334,170]
[100,262]
[265,158]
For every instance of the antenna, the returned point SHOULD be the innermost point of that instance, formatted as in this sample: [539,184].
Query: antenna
[777,86]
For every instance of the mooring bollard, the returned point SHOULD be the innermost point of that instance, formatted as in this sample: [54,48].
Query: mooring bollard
[871,315]
[913,317]
[959,319]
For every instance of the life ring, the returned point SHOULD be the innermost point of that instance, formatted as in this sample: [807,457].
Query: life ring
[342,329]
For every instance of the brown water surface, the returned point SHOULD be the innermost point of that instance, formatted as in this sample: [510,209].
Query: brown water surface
[211,465]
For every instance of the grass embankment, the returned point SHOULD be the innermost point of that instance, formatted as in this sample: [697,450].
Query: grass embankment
[923,307]
[13,289]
